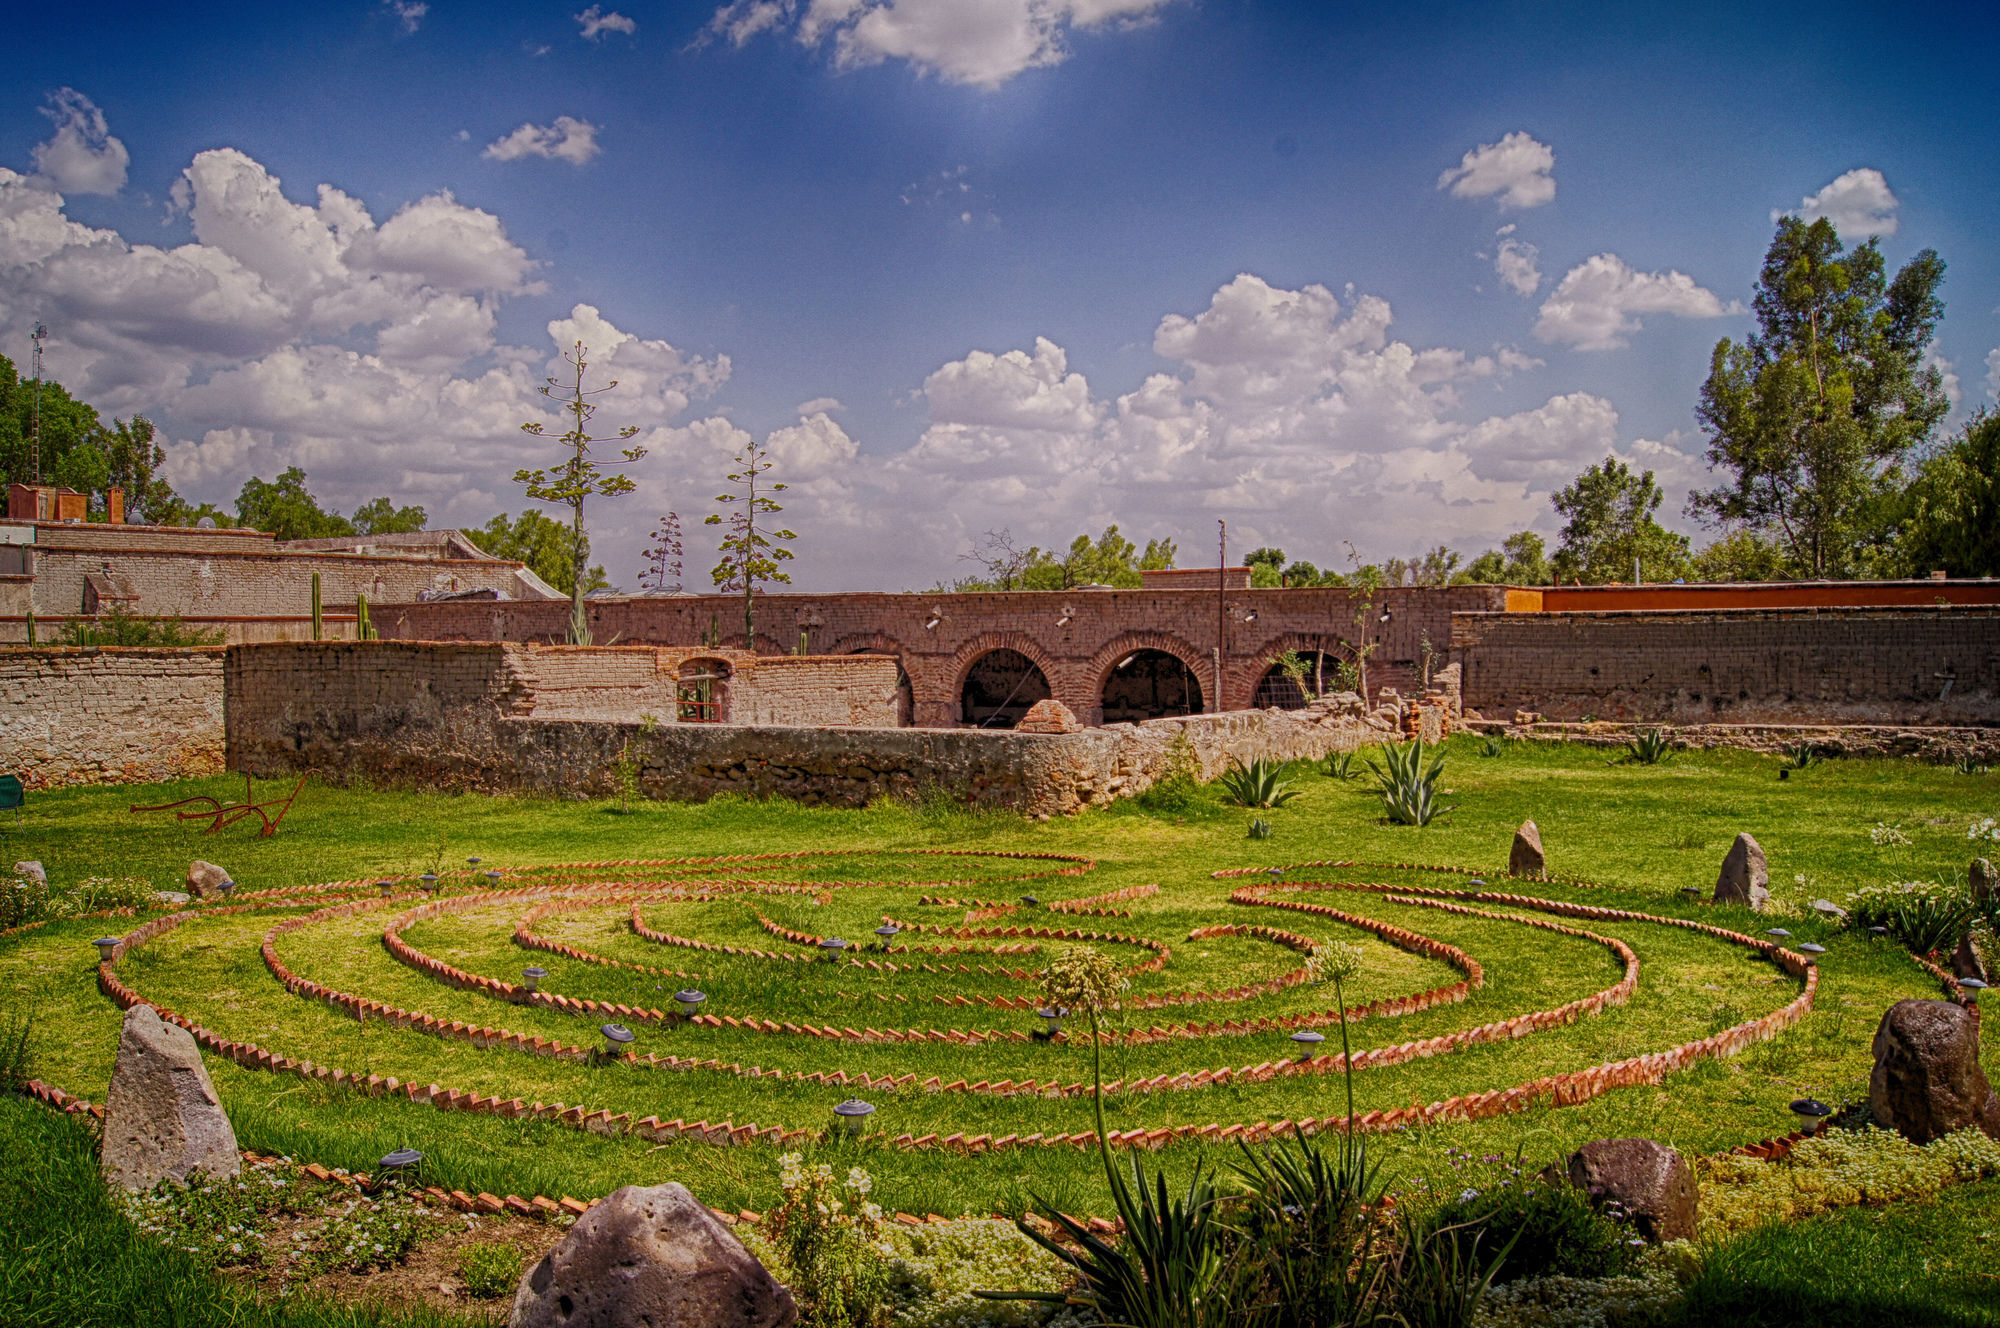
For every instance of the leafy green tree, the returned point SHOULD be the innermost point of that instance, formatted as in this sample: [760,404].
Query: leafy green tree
[578,477]
[750,554]
[1110,560]
[543,544]
[1950,512]
[67,424]
[1812,413]
[286,509]
[1610,525]
[1521,560]
[1741,555]
[78,450]
[382,517]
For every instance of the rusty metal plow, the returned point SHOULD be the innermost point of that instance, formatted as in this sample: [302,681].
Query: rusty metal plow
[219,814]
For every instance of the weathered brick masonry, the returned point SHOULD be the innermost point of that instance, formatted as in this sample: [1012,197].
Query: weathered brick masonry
[1075,637]
[477,716]
[114,715]
[1875,666]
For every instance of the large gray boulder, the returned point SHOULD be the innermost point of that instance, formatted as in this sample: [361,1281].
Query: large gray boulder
[162,1120]
[650,1257]
[1650,1182]
[1927,1081]
[204,879]
[1527,858]
[1745,878]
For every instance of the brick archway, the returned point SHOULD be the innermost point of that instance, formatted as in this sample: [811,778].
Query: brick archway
[1022,643]
[1247,669]
[1199,662]
[880,643]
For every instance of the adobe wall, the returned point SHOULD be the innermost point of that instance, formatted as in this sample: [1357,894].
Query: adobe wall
[1076,637]
[467,716]
[1860,666]
[110,716]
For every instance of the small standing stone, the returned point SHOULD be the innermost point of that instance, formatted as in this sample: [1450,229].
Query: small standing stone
[31,871]
[204,879]
[1965,960]
[1745,878]
[1927,1081]
[1650,1181]
[1984,882]
[650,1257]
[1527,857]
[162,1120]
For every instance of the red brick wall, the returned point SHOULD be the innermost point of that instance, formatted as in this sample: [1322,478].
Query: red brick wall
[1076,637]
[1825,666]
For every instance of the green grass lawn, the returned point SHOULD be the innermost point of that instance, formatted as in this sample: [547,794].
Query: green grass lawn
[1643,832]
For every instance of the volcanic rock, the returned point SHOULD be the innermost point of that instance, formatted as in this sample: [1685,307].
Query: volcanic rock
[1745,879]
[1527,857]
[1649,1181]
[204,879]
[162,1120]
[1927,1081]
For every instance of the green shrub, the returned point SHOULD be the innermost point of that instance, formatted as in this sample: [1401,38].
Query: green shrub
[1648,747]
[24,899]
[1177,790]
[490,1269]
[120,626]
[825,1250]
[1545,1226]
[1258,784]
[1926,916]
[1801,756]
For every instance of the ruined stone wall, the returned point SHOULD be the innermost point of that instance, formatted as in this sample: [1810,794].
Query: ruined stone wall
[1864,666]
[1075,637]
[110,716]
[467,716]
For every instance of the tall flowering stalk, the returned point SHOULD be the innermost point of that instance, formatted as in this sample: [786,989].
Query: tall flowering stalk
[1083,979]
[1336,962]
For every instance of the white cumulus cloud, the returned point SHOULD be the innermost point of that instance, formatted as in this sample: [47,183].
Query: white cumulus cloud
[1993,373]
[983,43]
[410,13]
[568,139]
[1858,204]
[82,157]
[1516,263]
[1517,168]
[595,23]
[1598,304]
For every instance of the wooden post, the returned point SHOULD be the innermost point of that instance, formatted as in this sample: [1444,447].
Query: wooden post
[315,606]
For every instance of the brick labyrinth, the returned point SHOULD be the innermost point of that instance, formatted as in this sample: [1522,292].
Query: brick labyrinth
[379,989]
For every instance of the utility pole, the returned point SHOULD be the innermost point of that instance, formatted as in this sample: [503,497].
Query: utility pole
[35,420]
[1221,611]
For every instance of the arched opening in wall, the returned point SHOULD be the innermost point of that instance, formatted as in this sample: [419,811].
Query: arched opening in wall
[998,690]
[1281,689]
[1150,684]
[906,699]
[701,692]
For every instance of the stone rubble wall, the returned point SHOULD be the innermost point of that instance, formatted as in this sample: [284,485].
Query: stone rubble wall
[1900,667]
[111,715]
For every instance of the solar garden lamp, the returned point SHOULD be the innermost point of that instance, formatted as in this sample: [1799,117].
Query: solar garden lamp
[532,977]
[399,1165]
[1779,932]
[227,886]
[851,1116]
[1813,947]
[1030,901]
[492,878]
[1974,985]
[1878,931]
[690,1001]
[387,887]
[888,931]
[1308,1040]
[1051,1017]
[474,862]
[833,947]
[1811,1113]
[106,948]
[429,880]
[616,1038]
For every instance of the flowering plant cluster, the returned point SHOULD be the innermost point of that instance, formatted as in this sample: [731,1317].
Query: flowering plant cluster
[822,1241]
[1985,828]
[1835,1170]
[26,899]
[1925,916]
[223,1221]
[1888,836]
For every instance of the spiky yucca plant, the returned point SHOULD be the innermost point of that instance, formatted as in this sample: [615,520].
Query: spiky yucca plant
[1409,785]
[1256,784]
[1648,747]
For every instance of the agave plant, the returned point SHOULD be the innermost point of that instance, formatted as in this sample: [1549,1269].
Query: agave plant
[1492,747]
[1801,756]
[1342,766]
[1256,784]
[1260,828]
[1409,785]
[1648,747]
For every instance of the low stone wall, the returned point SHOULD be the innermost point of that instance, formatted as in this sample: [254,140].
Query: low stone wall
[1939,744]
[467,716]
[110,716]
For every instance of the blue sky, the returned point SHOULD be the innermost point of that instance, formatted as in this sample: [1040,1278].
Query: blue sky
[1330,272]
